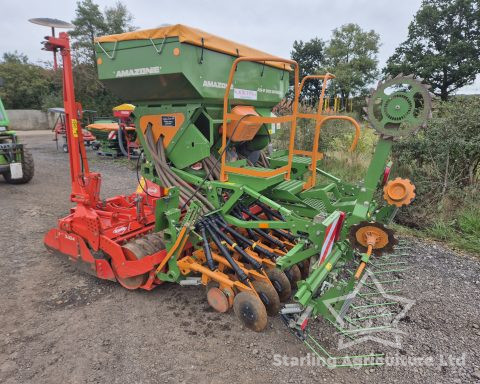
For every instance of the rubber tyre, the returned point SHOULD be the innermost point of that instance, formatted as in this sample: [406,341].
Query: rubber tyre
[294,275]
[267,292]
[280,283]
[28,170]
[250,311]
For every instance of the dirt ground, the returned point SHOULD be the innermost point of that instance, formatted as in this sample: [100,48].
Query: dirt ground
[61,325]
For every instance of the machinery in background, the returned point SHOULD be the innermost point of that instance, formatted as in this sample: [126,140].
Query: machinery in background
[16,162]
[117,136]
[59,128]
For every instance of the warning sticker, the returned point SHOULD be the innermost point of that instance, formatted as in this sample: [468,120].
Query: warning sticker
[74,127]
[245,94]
[168,121]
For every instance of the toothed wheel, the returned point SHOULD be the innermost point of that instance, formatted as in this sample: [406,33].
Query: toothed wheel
[361,233]
[401,112]
[399,192]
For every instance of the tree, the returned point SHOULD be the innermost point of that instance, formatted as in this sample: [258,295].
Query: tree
[443,45]
[310,56]
[25,84]
[89,23]
[351,56]
[118,19]
[15,57]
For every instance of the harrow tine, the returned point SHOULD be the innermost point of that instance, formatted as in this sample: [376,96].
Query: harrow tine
[347,361]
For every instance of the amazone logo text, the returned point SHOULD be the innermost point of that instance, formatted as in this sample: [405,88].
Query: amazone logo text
[137,72]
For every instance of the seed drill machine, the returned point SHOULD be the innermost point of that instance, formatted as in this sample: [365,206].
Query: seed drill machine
[213,208]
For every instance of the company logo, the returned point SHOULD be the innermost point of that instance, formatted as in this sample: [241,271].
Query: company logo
[120,230]
[214,84]
[152,190]
[138,72]
[68,237]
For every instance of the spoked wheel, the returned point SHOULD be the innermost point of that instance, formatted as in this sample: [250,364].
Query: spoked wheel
[269,297]
[132,252]
[280,282]
[250,310]
[294,275]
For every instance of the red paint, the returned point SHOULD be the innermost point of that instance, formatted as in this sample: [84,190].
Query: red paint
[95,229]
[386,175]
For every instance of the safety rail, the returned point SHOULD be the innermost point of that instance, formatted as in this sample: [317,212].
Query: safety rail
[259,119]
[321,119]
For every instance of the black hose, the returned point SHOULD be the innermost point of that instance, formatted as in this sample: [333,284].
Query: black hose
[266,209]
[256,248]
[206,248]
[224,251]
[217,160]
[249,259]
[279,232]
[250,231]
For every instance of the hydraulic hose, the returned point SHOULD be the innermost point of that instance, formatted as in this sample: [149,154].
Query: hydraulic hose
[277,242]
[256,248]
[168,177]
[266,209]
[206,247]
[249,259]
[250,231]
[224,251]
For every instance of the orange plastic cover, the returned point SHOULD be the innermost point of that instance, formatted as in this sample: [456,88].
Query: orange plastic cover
[192,36]
[243,130]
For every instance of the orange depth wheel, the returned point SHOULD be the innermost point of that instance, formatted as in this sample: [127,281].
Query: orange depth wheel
[371,236]
[399,192]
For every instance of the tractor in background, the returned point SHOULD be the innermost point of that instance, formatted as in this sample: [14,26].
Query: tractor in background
[16,162]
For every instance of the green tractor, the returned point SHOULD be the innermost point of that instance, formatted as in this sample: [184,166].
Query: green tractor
[16,163]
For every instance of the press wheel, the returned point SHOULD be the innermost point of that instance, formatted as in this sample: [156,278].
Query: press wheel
[280,282]
[132,252]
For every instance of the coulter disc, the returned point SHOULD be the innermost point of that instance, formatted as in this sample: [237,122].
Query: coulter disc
[269,297]
[280,282]
[218,300]
[294,275]
[250,310]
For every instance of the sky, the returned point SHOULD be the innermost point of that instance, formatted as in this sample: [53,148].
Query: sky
[269,25]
